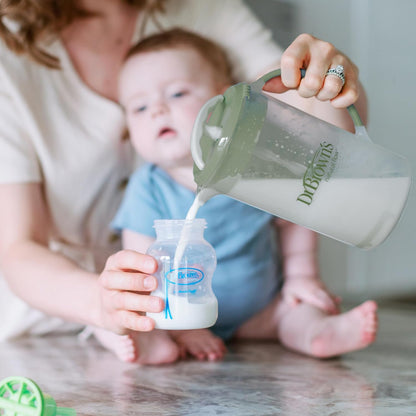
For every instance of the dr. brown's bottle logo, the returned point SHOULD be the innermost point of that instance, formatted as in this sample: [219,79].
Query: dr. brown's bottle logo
[321,167]
[184,276]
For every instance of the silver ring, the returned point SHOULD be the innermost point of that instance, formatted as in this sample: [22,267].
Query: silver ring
[338,71]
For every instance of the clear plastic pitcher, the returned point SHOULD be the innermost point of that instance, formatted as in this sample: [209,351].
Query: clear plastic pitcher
[186,263]
[270,155]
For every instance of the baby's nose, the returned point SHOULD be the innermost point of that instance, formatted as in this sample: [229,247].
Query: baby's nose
[159,108]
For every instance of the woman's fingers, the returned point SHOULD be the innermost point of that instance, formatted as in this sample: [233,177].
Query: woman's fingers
[125,286]
[134,321]
[331,88]
[350,91]
[131,260]
[135,282]
[130,301]
[320,57]
[317,57]
[292,60]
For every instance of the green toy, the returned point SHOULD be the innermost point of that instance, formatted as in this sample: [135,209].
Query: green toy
[20,396]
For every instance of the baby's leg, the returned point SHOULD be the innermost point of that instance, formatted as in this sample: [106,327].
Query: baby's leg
[155,347]
[309,330]
[200,343]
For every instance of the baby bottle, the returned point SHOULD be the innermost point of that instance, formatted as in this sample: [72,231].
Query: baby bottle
[186,263]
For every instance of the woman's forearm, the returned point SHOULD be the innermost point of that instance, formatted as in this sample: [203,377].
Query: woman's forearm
[51,283]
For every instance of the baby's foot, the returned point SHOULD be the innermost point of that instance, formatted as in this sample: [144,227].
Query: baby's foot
[149,348]
[200,343]
[346,332]
[155,347]
[123,346]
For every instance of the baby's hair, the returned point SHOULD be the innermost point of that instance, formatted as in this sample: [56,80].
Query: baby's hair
[177,38]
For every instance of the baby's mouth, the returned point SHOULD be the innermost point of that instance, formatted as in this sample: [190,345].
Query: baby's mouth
[166,132]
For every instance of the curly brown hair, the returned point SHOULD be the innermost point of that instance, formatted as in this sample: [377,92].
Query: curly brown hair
[26,24]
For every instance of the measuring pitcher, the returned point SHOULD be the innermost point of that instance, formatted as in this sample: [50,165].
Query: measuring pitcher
[275,157]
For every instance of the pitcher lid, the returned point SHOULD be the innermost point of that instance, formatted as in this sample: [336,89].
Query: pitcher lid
[221,120]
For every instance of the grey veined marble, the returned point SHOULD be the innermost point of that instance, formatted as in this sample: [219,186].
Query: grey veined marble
[254,379]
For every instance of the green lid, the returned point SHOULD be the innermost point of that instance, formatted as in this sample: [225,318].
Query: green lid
[20,396]
[225,131]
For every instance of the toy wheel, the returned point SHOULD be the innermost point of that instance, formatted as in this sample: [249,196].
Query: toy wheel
[20,396]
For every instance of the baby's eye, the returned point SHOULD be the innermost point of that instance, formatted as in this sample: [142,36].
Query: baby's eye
[179,94]
[140,109]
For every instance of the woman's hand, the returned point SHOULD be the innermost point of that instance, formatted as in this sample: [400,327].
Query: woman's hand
[316,56]
[125,285]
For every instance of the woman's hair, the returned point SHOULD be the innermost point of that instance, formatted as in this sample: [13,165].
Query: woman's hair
[177,38]
[26,24]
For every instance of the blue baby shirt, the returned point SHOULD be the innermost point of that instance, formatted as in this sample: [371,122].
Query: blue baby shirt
[247,276]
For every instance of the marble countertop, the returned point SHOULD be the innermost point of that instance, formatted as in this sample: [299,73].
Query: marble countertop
[254,379]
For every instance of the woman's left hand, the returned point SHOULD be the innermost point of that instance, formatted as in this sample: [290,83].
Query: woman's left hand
[317,57]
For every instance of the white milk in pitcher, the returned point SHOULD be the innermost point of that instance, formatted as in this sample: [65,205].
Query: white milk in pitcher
[341,208]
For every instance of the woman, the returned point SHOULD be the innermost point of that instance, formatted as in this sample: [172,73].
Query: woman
[63,159]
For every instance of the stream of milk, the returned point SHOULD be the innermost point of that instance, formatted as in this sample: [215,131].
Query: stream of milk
[200,199]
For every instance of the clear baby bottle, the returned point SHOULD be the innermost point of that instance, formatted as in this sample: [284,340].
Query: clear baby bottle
[186,263]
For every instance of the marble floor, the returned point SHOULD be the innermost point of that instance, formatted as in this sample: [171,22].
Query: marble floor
[255,379]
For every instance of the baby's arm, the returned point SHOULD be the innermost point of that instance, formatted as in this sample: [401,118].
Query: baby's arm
[302,282]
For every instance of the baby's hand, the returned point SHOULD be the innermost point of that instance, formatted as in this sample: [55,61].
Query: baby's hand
[312,291]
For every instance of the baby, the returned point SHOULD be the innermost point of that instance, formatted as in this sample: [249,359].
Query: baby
[267,280]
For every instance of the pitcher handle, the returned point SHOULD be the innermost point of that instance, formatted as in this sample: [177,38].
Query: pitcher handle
[197,131]
[360,130]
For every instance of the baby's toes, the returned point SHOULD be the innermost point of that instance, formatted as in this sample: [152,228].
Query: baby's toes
[216,349]
[199,351]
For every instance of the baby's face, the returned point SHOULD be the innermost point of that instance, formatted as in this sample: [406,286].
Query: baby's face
[162,93]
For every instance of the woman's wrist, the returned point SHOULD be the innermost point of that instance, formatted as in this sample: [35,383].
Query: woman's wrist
[93,313]
[84,295]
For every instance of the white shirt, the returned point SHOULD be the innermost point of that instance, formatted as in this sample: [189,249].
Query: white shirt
[56,131]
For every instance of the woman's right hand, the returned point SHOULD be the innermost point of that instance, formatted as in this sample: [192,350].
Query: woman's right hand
[125,286]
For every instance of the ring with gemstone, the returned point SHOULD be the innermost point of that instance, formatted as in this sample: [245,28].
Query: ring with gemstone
[338,71]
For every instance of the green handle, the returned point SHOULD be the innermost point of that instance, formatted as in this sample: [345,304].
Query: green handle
[198,131]
[65,411]
[277,73]
[22,396]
